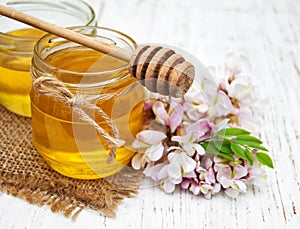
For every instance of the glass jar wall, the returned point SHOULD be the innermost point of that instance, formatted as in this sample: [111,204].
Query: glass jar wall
[63,136]
[17,41]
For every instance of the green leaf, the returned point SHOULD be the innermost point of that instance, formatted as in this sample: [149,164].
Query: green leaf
[204,144]
[249,139]
[239,151]
[226,149]
[251,144]
[226,156]
[207,145]
[264,159]
[211,148]
[229,132]
[249,156]
[260,147]
[223,145]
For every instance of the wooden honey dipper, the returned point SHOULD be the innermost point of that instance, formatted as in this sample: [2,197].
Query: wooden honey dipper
[159,69]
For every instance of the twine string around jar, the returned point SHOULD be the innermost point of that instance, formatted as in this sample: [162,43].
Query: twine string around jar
[54,88]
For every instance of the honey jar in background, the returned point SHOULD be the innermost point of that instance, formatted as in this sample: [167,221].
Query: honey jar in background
[17,41]
[69,143]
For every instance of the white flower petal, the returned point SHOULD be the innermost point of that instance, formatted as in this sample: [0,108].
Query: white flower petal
[195,188]
[176,117]
[174,102]
[218,109]
[205,188]
[174,148]
[182,162]
[217,188]
[168,187]
[209,87]
[210,177]
[207,195]
[240,171]
[176,180]
[174,170]
[155,152]
[220,125]
[151,137]
[154,171]
[138,144]
[188,138]
[236,63]
[172,157]
[219,160]
[160,112]
[200,150]
[218,167]
[199,128]
[136,161]
[193,114]
[242,89]
[185,184]
[208,163]
[241,185]
[224,172]
[222,105]
[191,174]
[186,162]
[163,173]
[189,149]
[177,138]
[202,108]
[225,182]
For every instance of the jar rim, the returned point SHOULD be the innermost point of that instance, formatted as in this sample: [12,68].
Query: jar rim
[90,12]
[124,37]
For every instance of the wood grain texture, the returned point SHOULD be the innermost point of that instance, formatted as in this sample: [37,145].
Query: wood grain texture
[268,33]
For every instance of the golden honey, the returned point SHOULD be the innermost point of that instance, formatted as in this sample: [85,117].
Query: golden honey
[15,80]
[70,145]
[17,41]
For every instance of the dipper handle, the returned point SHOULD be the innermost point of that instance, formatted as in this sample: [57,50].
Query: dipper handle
[159,69]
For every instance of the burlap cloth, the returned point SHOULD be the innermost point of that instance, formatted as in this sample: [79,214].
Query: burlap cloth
[24,173]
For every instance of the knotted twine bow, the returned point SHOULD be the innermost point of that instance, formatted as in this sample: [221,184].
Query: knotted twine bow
[50,86]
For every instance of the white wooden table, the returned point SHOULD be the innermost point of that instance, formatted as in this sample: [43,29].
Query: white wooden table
[268,32]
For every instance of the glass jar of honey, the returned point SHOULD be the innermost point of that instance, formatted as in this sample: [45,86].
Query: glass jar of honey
[70,143]
[17,41]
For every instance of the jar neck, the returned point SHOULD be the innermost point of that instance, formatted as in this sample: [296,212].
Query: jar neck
[18,38]
[79,67]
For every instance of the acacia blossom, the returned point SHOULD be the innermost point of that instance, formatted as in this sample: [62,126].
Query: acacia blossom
[194,105]
[203,180]
[171,174]
[189,144]
[231,179]
[170,149]
[149,143]
[172,118]
[235,64]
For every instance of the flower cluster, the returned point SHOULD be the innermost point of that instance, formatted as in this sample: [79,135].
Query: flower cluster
[202,142]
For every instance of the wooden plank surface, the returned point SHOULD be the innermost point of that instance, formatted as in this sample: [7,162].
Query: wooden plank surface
[268,33]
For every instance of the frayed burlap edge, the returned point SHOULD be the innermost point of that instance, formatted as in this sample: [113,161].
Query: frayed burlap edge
[25,174]
[68,198]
